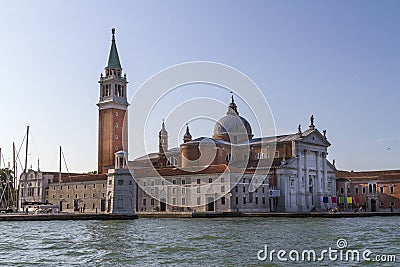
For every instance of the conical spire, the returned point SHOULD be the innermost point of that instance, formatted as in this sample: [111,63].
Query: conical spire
[113,58]
[163,131]
[187,137]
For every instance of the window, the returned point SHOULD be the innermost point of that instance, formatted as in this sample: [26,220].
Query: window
[76,195]
[348,190]
[381,189]
[222,200]
[260,156]
[222,180]
[144,202]
[250,197]
[110,181]
[104,185]
[76,186]
[256,200]
[61,188]
[228,157]
[370,188]
[93,195]
[263,200]
[364,190]
[174,191]
[341,190]
[84,186]
[173,181]
[93,206]
[210,180]
[198,189]
[198,201]
[130,182]
[68,187]
[237,201]
[68,196]
[263,190]
[236,189]
[198,181]
[276,154]
[392,204]
[152,201]
[104,195]
[120,182]
[67,206]
[244,189]
[94,185]
[183,190]
[183,181]
[244,200]
[183,201]
[392,189]
[222,188]
[172,161]
[174,201]
[382,204]
[356,190]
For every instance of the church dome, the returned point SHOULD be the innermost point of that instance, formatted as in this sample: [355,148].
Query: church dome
[232,125]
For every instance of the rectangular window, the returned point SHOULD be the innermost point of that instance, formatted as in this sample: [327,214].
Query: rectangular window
[381,189]
[84,195]
[263,190]
[222,188]
[276,154]
[109,182]
[348,190]
[356,190]
[94,185]
[183,201]
[92,194]
[120,182]
[61,188]
[244,188]
[152,201]
[144,202]
[198,189]
[250,197]
[183,181]
[173,181]
[236,189]
[257,200]
[237,201]
[392,189]
[244,200]
[68,196]
[341,190]
[76,195]
[210,180]
[222,200]
[183,190]
[76,186]
[198,201]
[198,181]
[364,190]
[222,179]
[68,187]
[67,206]
[174,191]
[84,186]
[263,200]
[174,201]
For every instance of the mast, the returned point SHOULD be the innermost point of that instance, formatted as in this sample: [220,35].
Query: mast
[16,185]
[59,184]
[26,163]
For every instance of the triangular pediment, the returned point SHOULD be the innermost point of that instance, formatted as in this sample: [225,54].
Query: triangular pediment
[314,137]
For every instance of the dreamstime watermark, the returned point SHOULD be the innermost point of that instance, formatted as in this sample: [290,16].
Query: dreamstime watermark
[150,97]
[339,253]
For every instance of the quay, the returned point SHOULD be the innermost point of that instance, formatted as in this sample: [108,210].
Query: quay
[263,214]
[65,217]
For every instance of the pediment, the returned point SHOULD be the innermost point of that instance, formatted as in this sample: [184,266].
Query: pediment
[315,138]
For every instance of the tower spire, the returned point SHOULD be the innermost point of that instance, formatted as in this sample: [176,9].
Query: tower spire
[113,58]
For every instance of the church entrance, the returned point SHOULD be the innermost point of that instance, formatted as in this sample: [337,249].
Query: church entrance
[210,204]
[163,206]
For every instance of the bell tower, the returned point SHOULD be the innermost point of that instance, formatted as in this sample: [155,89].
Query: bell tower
[113,116]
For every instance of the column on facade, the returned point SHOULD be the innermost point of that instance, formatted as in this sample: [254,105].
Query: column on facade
[301,187]
[325,174]
[319,182]
[307,178]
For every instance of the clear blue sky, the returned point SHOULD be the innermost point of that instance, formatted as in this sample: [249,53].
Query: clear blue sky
[338,60]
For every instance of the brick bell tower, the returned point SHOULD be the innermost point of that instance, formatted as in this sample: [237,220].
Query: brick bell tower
[113,116]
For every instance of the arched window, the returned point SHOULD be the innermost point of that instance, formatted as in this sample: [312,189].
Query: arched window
[260,155]
[172,161]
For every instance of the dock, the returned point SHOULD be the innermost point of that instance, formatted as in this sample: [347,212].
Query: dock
[65,217]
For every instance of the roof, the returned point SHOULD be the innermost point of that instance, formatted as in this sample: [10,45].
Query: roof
[359,175]
[152,172]
[81,178]
[113,58]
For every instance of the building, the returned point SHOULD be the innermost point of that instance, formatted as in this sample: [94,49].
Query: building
[300,177]
[370,190]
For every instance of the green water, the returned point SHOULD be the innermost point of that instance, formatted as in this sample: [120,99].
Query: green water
[191,242]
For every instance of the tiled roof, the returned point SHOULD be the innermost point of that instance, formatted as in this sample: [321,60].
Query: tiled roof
[81,178]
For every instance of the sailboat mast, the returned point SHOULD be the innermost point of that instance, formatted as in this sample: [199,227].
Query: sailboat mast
[26,163]
[16,184]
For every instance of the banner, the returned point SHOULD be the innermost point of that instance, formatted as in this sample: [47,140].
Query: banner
[349,200]
[341,200]
[326,200]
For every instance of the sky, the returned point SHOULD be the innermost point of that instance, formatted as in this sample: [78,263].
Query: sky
[337,60]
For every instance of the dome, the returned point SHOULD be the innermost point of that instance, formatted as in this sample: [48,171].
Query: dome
[232,125]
